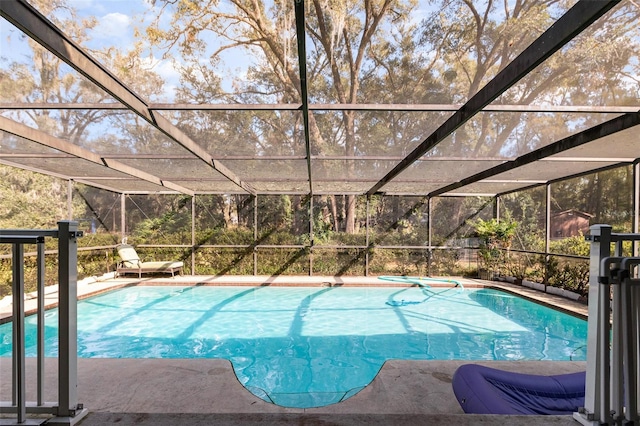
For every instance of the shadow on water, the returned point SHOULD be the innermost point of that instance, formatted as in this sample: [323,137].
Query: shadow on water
[331,363]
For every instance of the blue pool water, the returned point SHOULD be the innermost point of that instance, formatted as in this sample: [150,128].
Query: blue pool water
[314,346]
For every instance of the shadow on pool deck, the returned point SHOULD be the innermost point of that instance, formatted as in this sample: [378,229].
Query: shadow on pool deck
[163,392]
[202,392]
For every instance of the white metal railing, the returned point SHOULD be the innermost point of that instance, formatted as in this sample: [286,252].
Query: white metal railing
[613,359]
[66,411]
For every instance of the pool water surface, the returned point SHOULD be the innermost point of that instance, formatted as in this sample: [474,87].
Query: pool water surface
[313,346]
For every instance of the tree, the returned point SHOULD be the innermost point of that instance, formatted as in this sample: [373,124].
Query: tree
[43,78]
[475,40]
[339,69]
[495,236]
[607,195]
[32,200]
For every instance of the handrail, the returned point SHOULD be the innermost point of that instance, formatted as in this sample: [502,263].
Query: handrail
[67,411]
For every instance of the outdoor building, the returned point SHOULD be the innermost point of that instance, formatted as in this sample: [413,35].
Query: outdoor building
[569,223]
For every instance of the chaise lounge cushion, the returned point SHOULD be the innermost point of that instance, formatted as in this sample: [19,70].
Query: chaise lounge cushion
[131,263]
[485,390]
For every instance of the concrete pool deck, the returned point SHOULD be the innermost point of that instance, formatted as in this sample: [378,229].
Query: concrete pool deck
[203,392]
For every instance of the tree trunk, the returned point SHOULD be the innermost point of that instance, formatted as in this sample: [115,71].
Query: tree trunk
[350,214]
[334,212]
[226,211]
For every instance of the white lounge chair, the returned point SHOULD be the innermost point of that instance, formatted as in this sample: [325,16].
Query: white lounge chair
[130,263]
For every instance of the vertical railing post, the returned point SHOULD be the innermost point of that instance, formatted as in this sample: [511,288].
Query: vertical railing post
[255,234]
[635,222]
[429,229]
[366,239]
[617,398]
[630,368]
[18,387]
[311,235]
[193,234]
[597,391]
[123,223]
[67,317]
[40,333]
[68,411]
[70,199]
[635,291]
[547,234]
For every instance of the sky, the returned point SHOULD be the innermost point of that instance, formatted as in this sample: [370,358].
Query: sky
[117,20]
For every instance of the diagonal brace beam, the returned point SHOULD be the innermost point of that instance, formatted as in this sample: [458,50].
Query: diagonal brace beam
[26,18]
[574,21]
[599,131]
[37,136]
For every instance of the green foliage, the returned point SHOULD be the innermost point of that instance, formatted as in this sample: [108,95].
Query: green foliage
[283,261]
[495,236]
[322,230]
[90,263]
[569,274]
[225,236]
[398,262]
[32,200]
[495,231]
[523,265]
[576,245]
[221,261]
[445,263]
[607,195]
[347,261]
[566,273]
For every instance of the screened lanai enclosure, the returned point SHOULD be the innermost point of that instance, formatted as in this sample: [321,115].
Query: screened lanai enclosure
[323,137]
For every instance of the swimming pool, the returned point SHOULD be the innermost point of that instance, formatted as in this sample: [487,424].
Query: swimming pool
[313,346]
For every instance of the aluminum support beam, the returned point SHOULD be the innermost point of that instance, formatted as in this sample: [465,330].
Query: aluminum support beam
[27,19]
[193,235]
[429,232]
[599,131]
[123,222]
[323,107]
[255,235]
[367,238]
[547,233]
[69,199]
[635,225]
[59,176]
[572,23]
[47,140]
[304,91]
[311,236]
